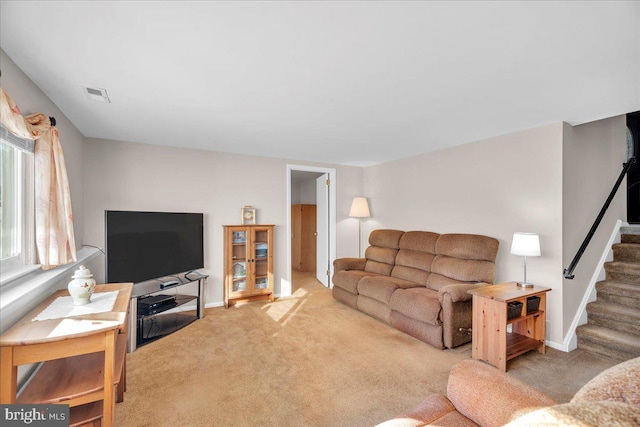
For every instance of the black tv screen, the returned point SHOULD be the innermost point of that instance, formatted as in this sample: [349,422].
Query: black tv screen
[147,245]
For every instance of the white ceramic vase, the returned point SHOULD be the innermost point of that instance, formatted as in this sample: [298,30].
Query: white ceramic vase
[82,286]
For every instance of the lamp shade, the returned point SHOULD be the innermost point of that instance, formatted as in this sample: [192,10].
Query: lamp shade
[359,208]
[525,244]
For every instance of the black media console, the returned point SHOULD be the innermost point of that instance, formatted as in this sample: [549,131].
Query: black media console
[156,307]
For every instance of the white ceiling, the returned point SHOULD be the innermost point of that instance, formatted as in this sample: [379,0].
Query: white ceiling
[339,82]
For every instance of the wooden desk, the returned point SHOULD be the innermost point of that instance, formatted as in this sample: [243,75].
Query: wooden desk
[490,340]
[30,341]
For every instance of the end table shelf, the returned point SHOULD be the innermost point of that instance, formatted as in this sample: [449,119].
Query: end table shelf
[492,342]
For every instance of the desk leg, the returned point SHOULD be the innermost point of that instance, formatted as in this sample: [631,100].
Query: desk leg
[108,413]
[132,329]
[8,376]
[201,287]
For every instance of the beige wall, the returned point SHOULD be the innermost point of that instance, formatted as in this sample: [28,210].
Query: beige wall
[132,176]
[493,187]
[551,180]
[593,155]
[30,99]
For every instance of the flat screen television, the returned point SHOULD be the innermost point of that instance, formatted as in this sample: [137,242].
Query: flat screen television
[142,246]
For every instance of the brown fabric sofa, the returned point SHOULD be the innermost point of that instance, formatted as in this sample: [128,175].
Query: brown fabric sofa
[417,281]
[480,395]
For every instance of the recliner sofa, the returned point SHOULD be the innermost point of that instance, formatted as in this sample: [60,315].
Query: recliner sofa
[479,395]
[417,281]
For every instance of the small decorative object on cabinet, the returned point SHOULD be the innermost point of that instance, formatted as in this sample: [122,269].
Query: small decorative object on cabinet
[248,263]
[82,286]
[248,215]
[497,306]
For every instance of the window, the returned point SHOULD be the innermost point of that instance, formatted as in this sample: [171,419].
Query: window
[16,204]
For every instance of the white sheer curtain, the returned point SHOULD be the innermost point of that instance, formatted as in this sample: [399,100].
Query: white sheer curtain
[55,241]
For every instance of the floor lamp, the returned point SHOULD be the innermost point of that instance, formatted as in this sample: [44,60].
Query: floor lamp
[359,209]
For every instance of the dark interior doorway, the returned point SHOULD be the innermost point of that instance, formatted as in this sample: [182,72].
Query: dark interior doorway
[633,176]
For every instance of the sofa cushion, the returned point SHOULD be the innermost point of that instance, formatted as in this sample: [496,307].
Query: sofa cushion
[604,413]
[413,261]
[417,303]
[381,288]
[460,270]
[423,241]
[380,260]
[385,238]
[468,246]
[348,280]
[618,383]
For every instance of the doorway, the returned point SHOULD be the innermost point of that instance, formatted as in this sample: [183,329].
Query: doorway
[633,176]
[313,186]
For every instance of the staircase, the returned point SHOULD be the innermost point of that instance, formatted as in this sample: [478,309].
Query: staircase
[613,325]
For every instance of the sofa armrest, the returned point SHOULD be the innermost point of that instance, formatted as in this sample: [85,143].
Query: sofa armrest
[431,409]
[349,264]
[458,291]
[489,396]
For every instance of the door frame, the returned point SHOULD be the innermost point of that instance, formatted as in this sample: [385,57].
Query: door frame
[285,288]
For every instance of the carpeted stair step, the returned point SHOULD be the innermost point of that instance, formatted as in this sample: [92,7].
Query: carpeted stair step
[619,293]
[628,252]
[630,238]
[614,316]
[620,271]
[616,344]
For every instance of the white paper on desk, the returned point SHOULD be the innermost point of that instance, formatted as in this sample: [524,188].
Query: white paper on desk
[63,306]
[78,326]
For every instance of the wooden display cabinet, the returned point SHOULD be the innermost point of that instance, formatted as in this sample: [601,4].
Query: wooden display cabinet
[491,340]
[248,264]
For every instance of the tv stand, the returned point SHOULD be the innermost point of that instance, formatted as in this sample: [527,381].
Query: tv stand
[165,319]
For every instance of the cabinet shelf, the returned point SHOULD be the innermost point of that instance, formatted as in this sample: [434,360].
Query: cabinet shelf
[84,414]
[61,381]
[518,344]
[528,316]
[180,300]
[154,327]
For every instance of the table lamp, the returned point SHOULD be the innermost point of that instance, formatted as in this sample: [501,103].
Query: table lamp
[359,209]
[525,244]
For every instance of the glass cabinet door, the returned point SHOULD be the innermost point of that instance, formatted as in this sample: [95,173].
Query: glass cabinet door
[239,261]
[261,260]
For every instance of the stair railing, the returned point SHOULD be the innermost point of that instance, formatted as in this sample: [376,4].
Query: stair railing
[568,272]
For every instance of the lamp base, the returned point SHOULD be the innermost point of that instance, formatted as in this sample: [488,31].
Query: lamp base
[525,284]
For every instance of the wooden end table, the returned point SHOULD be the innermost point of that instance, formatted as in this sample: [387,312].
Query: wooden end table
[490,340]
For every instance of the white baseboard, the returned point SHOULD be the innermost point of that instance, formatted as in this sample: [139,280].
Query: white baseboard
[556,346]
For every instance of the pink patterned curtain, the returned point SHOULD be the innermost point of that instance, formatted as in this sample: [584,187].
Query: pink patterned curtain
[55,241]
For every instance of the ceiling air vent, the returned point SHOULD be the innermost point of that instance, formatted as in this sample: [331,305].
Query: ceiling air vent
[96,94]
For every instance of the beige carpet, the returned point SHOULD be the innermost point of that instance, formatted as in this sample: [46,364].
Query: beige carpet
[306,360]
